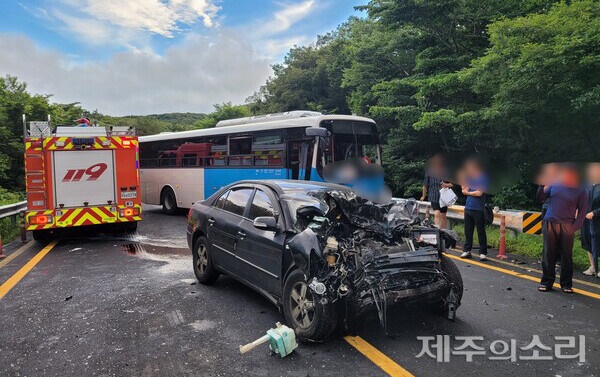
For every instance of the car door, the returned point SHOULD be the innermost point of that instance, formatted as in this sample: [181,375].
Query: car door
[223,226]
[260,252]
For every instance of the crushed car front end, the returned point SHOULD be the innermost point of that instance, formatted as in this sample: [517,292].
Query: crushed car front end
[366,258]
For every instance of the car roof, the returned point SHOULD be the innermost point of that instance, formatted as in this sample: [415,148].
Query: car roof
[286,186]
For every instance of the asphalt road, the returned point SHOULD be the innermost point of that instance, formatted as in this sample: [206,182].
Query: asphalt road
[128,305]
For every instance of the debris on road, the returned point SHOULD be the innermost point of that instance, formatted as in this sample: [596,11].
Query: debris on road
[281,339]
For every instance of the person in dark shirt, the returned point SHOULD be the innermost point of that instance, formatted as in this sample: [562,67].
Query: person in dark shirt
[566,212]
[474,186]
[432,184]
[590,233]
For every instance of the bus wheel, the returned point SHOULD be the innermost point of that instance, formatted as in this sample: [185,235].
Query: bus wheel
[168,201]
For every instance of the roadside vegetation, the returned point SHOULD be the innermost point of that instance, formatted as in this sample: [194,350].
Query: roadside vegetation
[528,245]
[8,230]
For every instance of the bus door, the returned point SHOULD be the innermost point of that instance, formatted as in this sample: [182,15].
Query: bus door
[300,157]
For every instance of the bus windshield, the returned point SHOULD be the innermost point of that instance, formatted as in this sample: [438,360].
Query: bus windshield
[351,139]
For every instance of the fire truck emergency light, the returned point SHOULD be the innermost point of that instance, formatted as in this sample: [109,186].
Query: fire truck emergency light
[40,220]
[128,212]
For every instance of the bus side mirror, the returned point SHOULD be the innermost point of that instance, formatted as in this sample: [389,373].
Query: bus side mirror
[317,131]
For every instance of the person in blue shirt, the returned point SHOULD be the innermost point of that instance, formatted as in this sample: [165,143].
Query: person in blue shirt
[474,184]
[566,212]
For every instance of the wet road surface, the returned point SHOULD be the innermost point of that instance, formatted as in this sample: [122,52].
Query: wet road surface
[129,305]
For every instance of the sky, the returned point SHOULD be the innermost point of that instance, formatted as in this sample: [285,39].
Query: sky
[126,57]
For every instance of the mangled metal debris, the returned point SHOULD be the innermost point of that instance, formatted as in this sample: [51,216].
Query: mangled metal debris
[357,256]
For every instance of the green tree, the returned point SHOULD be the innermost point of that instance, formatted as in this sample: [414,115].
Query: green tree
[223,112]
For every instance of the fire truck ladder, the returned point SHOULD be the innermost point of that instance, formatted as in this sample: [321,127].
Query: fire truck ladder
[35,179]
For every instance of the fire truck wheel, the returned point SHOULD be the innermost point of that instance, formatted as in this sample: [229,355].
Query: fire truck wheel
[130,227]
[41,235]
[168,201]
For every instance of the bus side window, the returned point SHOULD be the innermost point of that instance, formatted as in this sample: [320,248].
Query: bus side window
[268,149]
[240,150]
[189,159]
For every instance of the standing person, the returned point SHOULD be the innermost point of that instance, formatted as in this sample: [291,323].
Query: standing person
[590,233]
[548,174]
[474,186]
[433,182]
[565,215]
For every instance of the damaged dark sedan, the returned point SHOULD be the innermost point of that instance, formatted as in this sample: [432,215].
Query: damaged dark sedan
[326,257]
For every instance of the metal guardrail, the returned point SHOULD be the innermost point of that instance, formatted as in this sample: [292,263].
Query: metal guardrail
[12,209]
[514,219]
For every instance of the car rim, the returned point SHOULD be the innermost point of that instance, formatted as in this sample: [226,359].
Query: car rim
[202,262]
[302,305]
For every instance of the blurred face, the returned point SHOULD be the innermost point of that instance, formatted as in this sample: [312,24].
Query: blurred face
[436,164]
[570,177]
[593,173]
[549,174]
[472,169]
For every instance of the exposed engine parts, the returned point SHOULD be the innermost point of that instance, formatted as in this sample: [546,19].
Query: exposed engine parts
[361,256]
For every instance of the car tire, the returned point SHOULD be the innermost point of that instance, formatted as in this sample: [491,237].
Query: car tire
[454,277]
[169,201]
[453,274]
[311,320]
[203,267]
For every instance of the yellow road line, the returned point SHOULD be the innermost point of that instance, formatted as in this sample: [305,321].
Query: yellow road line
[519,275]
[530,269]
[377,357]
[13,280]
[5,261]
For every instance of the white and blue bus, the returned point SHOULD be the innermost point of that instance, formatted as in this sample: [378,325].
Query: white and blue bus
[180,168]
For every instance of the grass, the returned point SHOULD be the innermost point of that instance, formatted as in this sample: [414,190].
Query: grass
[528,245]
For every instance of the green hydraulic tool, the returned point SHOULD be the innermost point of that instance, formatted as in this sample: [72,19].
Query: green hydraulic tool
[282,341]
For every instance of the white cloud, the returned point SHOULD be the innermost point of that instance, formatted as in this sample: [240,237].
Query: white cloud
[273,36]
[149,15]
[286,17]
[190,77]
[124,22]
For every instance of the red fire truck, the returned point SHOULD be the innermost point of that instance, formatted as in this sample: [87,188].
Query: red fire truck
[80,176]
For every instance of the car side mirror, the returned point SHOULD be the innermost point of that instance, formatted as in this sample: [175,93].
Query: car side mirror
[265,223]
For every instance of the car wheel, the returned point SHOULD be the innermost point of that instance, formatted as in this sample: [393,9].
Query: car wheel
[304,312]
[203,267]
[453,275]
[169,201]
